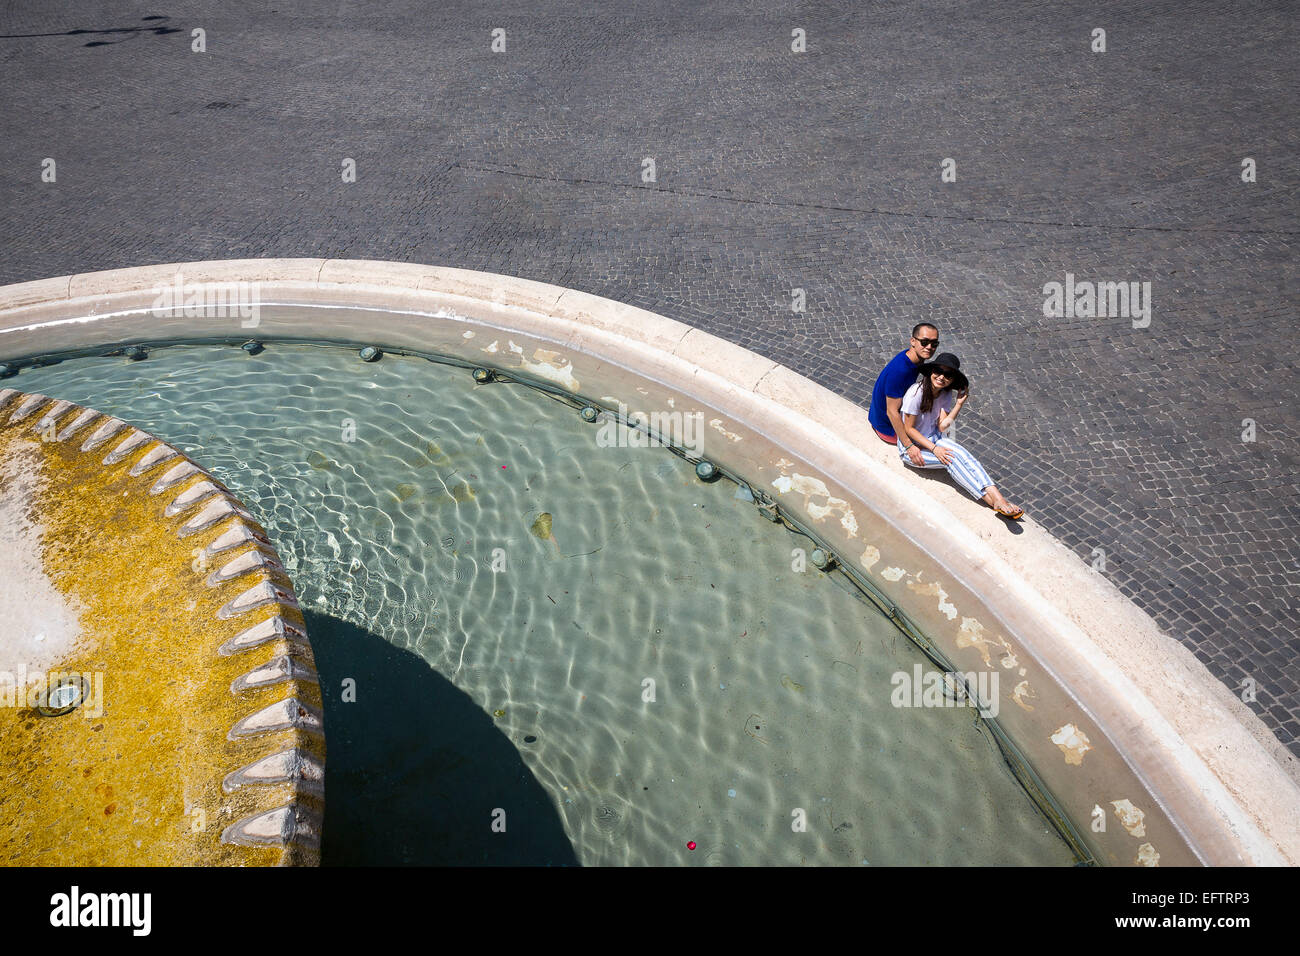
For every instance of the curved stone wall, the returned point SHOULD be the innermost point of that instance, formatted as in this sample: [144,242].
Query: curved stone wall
[199,737]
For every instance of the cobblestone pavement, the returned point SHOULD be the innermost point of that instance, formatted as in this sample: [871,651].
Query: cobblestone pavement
[775,170]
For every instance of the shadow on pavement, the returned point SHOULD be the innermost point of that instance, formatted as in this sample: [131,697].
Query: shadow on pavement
[940,475]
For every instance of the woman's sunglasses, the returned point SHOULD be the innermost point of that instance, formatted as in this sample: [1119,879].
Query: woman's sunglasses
[945,373]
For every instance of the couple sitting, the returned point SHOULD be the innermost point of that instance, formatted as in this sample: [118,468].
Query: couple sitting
[915,402]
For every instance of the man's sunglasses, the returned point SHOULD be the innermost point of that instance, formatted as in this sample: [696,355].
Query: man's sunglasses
[927,343]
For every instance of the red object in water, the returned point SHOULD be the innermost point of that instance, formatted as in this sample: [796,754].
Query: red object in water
[691,845]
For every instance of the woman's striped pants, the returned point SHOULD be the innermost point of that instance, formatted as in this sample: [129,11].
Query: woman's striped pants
[965,468]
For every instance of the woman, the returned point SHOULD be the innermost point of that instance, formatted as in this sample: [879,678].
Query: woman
[929,408]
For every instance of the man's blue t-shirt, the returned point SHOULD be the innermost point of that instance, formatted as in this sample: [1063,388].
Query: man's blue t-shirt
[899,375]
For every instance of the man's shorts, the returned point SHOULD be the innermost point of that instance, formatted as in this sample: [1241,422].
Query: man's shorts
[891,439]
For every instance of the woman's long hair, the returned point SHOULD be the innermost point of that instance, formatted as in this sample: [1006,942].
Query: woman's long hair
[928,394]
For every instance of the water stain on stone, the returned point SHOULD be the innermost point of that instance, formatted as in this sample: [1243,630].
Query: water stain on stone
[319,461]
[789,684]
[405,491]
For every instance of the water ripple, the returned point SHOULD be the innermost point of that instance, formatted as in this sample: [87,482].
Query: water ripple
[654,641]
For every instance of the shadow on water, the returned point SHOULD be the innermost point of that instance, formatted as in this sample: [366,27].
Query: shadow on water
[415,769]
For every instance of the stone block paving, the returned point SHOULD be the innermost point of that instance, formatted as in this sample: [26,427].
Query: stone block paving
[775,170]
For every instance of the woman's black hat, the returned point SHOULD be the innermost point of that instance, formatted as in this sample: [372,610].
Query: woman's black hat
[946,360]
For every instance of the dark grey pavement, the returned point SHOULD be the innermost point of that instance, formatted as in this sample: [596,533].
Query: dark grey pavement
[775,170]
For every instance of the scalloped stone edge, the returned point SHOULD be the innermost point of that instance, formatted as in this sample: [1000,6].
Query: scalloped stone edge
[293,825]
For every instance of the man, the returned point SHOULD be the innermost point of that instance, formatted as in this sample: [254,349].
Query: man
[892,384]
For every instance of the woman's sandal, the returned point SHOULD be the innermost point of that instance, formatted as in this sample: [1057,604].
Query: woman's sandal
[1015,514]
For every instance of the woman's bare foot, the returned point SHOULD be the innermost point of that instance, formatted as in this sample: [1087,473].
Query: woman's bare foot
[998,503]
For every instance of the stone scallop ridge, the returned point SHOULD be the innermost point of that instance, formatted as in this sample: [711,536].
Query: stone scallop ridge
[206,509]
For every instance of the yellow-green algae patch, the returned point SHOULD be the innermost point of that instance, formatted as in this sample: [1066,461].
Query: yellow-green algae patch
[318,461]
[140,784]
[459,493]
[542,526]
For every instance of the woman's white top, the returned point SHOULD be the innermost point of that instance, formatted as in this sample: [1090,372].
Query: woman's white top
[928,423]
